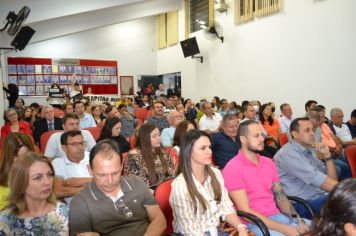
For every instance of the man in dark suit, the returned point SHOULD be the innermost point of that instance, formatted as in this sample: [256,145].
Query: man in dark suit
[49,122]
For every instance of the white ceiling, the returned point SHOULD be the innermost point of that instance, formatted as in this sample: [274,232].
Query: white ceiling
[55,18]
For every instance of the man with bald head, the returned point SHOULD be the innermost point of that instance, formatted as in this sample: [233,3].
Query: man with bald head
[174,118]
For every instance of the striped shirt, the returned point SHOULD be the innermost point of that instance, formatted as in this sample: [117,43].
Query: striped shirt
[186,221]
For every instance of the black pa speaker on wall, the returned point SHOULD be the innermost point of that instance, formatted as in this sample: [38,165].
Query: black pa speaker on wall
[22,38]
[190,47]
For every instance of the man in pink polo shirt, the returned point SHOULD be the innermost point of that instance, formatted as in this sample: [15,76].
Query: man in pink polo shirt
[253,184]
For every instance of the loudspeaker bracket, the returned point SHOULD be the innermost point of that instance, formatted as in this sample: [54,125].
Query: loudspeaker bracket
[198,57]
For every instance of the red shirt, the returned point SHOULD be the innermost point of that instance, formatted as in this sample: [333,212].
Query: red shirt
[24,127]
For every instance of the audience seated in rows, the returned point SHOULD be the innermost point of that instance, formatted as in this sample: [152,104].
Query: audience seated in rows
[14,147]
[225,144]
[254,186]
[48,123]
[112,130]
[158,118]
[174,118]
[306,168]
[210,122]
[111,204]
[148,160]
[69,122]
[33,208]
[71,171]
[190,111]
[341,163]
[198,196]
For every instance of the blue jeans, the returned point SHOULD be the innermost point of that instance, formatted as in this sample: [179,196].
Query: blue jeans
[316,204]
[219,232]
[342,167]
[281,218]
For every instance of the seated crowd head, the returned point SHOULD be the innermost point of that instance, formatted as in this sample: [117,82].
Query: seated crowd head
[286,110]
[158,109]
[68,107]
[249,111]
[310,104]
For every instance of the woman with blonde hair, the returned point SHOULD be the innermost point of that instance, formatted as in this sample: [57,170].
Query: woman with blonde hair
[32,208]
[17,144]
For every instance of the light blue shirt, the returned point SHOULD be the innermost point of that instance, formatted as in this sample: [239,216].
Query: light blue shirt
[87,121]
[167,136]
[300,171]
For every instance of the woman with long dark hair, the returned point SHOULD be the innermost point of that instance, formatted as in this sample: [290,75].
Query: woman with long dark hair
[338,215]
[148,160]
[198,196]
[270,124]
[112,130]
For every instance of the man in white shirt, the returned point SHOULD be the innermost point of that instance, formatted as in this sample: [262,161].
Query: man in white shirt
[287,117]
[70,121]
[86,120]
[341,129]
[72,171]
[210,122]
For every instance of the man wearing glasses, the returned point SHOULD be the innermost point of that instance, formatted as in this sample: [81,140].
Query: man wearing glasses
[70,121]
[113,204]
[72,171]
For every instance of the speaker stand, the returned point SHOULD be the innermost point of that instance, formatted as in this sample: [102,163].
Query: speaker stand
[7,48]
[198,57]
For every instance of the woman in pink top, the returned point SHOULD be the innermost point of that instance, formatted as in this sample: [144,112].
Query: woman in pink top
[13,124]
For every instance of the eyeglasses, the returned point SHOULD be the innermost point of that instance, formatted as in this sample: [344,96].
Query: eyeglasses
[10,115]
[125,210]
[77,144]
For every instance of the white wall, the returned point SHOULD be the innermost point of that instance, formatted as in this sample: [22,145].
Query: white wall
[307,51]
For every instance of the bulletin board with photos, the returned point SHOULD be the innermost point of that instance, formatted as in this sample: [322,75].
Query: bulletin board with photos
[34,76]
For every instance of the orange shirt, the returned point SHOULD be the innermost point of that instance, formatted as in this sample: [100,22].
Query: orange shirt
[326,136]
[272,130]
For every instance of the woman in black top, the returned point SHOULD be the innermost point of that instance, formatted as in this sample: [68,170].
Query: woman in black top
[111,130]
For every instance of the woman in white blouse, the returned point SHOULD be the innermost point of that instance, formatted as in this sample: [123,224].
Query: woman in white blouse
[200,181]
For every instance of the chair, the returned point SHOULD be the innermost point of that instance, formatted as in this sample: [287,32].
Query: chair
[132,141]
[58,112]
[141,113]
[95,131]
[162,193]
[305,204]
[350,152]
[283,139]
[45,137]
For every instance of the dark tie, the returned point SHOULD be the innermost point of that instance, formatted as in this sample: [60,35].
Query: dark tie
[50,126]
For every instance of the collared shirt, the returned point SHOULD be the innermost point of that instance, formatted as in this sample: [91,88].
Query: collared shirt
[87,121]
[343,132]
[128,125]
[326,136]
[92,211]
[54,147]
[285,122]
[224,148]
[167,136]
[257,180]
[189,223]
[207,123]
[161,123]
[65,168]
[300,171]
